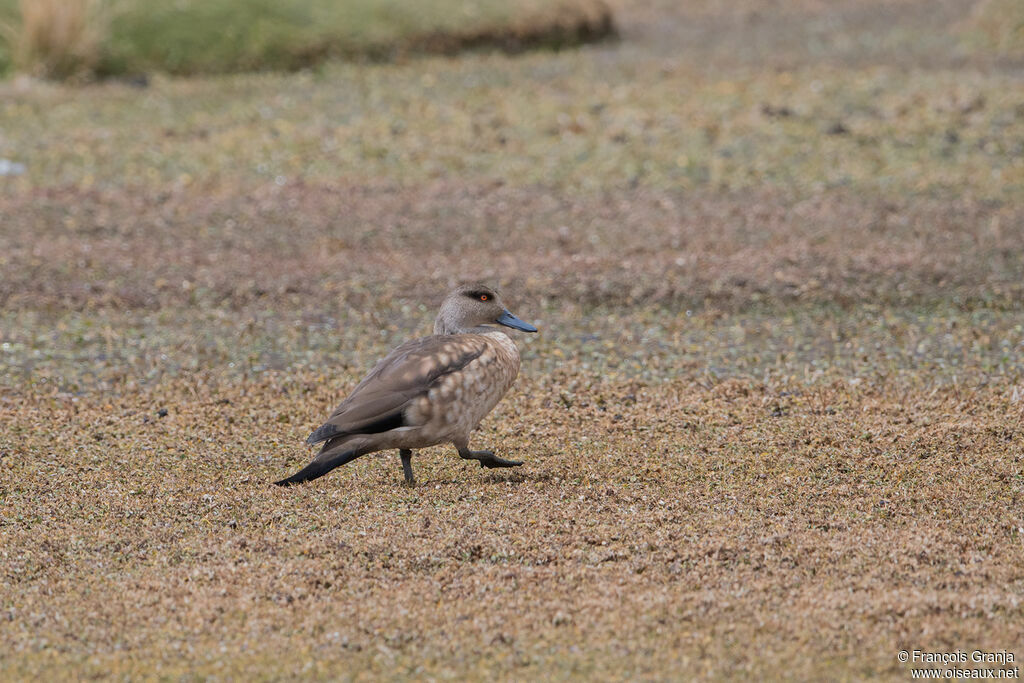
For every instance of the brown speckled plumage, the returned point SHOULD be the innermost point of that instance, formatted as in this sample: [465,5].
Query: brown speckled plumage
[428,391]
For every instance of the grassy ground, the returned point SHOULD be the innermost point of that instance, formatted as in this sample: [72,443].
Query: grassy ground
[773,421]
[215,36]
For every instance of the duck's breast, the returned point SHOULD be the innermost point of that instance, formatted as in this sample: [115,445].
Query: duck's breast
[458,401]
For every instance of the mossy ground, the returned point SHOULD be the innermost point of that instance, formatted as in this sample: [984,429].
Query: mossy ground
[773,423]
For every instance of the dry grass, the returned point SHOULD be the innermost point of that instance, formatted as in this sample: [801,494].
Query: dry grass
[59,38]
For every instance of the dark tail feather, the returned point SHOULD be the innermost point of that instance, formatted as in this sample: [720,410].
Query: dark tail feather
[321,465]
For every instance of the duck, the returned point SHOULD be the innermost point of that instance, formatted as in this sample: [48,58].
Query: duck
[428,391]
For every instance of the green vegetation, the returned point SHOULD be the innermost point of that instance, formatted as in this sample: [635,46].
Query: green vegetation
[884,130]
[210,36]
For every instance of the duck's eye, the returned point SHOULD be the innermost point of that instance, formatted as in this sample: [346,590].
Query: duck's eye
[484,297]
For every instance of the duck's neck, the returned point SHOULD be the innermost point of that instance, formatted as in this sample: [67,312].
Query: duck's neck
[442,326]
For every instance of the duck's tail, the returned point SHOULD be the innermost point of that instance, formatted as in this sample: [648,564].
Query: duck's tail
[323,463]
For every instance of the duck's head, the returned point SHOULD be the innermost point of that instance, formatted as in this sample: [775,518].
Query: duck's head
[472,306]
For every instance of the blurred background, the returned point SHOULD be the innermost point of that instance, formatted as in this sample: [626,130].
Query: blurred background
[294,171]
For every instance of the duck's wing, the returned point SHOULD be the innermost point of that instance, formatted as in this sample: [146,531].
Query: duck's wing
[378,404]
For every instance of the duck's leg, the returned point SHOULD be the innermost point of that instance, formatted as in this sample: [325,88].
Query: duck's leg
[486,458]
[406,456]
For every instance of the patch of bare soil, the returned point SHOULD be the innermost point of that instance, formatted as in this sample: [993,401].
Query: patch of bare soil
[324,248]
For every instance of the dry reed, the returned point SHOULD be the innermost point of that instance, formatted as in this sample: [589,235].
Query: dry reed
[58,38]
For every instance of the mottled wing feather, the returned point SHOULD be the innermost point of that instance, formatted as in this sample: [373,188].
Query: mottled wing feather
[379,402]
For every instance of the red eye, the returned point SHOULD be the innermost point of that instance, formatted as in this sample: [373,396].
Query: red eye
[484,297]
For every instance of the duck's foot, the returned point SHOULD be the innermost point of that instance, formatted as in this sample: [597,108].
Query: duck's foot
[406,456]
[487,458]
